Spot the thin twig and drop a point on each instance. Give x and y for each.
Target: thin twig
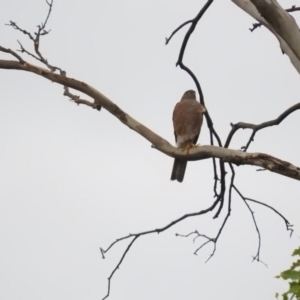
(287, 223)
(176, 30)
(223, 188)
(118, 266)
(78, 100)
(245, 199)
(137, 235)
(36, 40)
(16, 27)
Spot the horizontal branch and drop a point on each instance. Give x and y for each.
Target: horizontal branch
(236, 157)
(270, 123)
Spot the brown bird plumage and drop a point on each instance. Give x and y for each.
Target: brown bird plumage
(187, 122)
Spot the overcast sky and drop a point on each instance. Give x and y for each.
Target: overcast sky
(74, 179)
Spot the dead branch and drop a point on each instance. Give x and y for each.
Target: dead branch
(256, 127)
(135, 236)
(213, 133)
(236, 157)
(36, 40)
(280, 23)
(257, 25)
(287, 223)
(176, 30)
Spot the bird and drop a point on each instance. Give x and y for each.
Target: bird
(187, 122)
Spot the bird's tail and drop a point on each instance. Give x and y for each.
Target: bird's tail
(178, 171)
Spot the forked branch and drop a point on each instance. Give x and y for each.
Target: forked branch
(135, 236)
(256, 127)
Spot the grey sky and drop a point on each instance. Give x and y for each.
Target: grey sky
(73, 179)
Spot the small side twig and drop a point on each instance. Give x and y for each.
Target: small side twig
(176, 30)
(245, 199)
(78, 100)
(35, 38)
(16, 27)
(257, 25)
(209, 239)
(287, 223)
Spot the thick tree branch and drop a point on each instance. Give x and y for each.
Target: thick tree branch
(236, 157)
(292, 9)
(279, 22)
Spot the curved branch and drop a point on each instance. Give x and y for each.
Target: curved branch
(279, 22)
(237, 157)
(118, 266)
(292, 9)
(176, 30)
(184, 44)
(209, 239)
(256, 257)
(212, 130)
(287, 223)
(256, 127)
(137, 235)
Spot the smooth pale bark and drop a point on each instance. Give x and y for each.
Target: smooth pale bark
(279, 22)
(236, 157)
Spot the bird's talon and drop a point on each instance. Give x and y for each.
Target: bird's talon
(188, 147)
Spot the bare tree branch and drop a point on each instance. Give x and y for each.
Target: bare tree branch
(135, 236)
(209, 239)
(245, 199)
(237, 157)
(292, 9)
(118, 266)
(287, 223)
(176, 30)
(256, 257)
(279, 22)
(15, 26)
(13, 53)
(36, 40)
(213, 133)
(256, 127)
(78, 100)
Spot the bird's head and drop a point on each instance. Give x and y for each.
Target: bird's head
(190, 94)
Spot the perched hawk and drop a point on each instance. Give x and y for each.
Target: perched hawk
(187, 122)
